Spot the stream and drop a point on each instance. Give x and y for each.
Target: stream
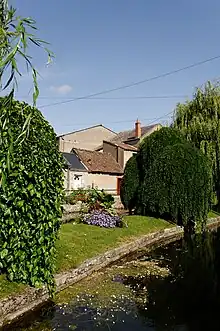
(174, 287)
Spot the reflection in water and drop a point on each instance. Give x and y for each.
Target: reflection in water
(190, 294)
(185, 299)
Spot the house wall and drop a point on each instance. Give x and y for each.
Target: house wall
(74, 179)
(103, 182)
(89, 139)
(120, 155)
(109, 148)
(65, 179)
(115, 151)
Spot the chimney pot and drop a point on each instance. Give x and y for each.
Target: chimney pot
(138, 129)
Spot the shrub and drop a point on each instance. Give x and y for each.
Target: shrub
(154, 144)
(79, 195)
(130, 184)
(93, 198)
(103, 219)
(30, 195)
(177, 185)
(97, 199)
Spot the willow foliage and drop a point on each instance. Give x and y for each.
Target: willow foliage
(16, 35)
(199, 121)
(30, 164)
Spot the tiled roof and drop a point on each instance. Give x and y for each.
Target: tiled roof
(73, 162)
(98, 162)
(126, 135)
(122, 145)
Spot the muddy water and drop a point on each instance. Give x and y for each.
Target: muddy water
(175, 287)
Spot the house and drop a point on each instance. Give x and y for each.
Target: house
(135, 136)
(88, 138)
(74, 172)
(86, 168)
(96, 156)
(125, 143)
(120, 151)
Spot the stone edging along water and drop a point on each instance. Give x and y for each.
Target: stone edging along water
(14, 306)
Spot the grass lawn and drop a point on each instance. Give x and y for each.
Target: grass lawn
(80, 242)
(7, 288)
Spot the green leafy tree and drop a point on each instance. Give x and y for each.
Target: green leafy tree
(150, 148)
(130, 184)
(30, 199)
(15, 38)
(177, 185)
(154, 144)
(199, 121)
(30, 164)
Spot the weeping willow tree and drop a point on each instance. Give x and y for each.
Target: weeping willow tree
(16, 35)
(22, 182)
(199, 121)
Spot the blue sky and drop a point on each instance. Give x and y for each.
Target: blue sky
(102, 44)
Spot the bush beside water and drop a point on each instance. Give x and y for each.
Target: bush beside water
(173, 179)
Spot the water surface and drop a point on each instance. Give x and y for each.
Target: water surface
(175, 287)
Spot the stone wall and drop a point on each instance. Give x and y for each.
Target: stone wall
(14, 306)
(118, 205)
(70, 212)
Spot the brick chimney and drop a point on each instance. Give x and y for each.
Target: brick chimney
(138, 129)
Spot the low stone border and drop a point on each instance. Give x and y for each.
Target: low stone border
(70, 212)
(14, 306)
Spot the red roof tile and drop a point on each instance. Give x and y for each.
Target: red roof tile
(98, 162)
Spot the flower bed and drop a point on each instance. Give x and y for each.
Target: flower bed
(96, 208)
(103, 219)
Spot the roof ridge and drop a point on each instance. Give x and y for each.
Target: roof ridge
(93, 151)
(119, 144)
(85, 150)
(144, 126)
(124, 135)
(87, 128)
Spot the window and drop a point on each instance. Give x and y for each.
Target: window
(77, 177)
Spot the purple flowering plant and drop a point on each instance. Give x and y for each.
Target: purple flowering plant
(97, 208)
(103, 219)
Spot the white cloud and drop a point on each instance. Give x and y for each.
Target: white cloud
(62, 89)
